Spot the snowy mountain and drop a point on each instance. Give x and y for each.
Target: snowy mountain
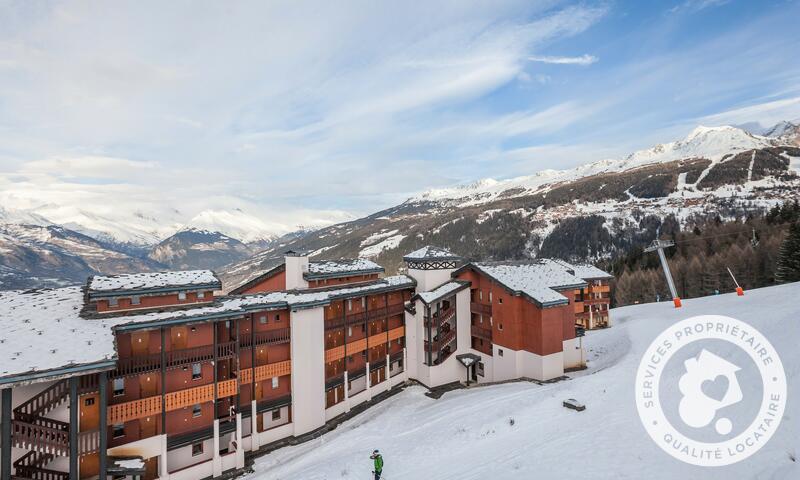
(586, 213)
(521, 430)
(49, 255)
(703, 142)
(199, 249)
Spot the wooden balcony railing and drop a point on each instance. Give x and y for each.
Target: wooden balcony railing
(32, 465)
(178, 358)
(482, 332)
(361, 317)
(481, 308)
(43, 402)
(88, 442)
(445, 318)
(31, 436)
(443, 340)
(360, 345)
(268, 337)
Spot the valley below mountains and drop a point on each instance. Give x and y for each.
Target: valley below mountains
(588, 213)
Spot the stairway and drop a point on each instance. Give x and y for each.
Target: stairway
(33, 465)
(33, 431)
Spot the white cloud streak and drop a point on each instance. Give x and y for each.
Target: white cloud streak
(583, 60)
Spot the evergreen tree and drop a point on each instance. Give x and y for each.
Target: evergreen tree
(788, 263)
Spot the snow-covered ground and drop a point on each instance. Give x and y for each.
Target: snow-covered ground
(468, 434)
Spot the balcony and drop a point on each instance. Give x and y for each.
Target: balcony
(482, 332)
(269, 337)
(442, 341)
(361, 317)
(481, 308)
(178, 358)
(445, 316)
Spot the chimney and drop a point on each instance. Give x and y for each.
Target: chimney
(296, 266)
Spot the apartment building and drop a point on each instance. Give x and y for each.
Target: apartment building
(154, 376)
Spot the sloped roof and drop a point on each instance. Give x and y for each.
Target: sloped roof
(258, 279)
(338, 268)
(585, 271)
(538, 280)
(43, 333)
(441, 291)
(132, 282)
(430, 252)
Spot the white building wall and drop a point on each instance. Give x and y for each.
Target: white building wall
(181, 458)
(573, 353)
(270, 423)
(296, 266)
(428, 280)
(308, 369)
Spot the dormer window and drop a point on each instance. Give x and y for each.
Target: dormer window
(201, 294)
(262, 319)
(181, 295)
(136, 300)
(112, 302)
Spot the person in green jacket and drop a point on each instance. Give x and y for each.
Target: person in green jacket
(378, 459)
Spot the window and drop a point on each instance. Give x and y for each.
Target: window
(197, 410)
(112, 302)
(119, 387)
(197, 371)
(499, 326)
(276, 415)
(480, 294)
(499, 299)
(197, 449)
(88, 402)
(136, 300)
(262, 319)
(181, 295)
(363, 302)
(349, 331)
(350, 359)
(201, 295)
(490, 297)
(278, 317)
(364, 354)
(349, 305)
(118, 430)
(274, 382)
(500, 351)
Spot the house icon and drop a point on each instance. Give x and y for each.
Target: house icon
(708, 385)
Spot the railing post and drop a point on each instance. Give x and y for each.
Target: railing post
(73, 428)
(5, 456)
(103, 424)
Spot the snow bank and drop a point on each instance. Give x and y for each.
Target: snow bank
(469, 435)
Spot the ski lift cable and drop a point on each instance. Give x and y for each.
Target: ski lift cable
(741, 232)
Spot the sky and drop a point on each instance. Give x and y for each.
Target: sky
(305, 113)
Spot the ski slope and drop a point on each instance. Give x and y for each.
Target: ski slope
(468, 434)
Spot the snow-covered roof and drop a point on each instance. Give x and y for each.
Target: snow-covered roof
(43, 330)
(430, 252)
(585, 271)
(441, 291)
(100, 284)
(537, 279)
(333, 268)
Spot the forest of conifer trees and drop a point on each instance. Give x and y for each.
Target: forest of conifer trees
(704, 251)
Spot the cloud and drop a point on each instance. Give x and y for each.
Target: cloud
(692, 6)
(766, 113)
(585, 59)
